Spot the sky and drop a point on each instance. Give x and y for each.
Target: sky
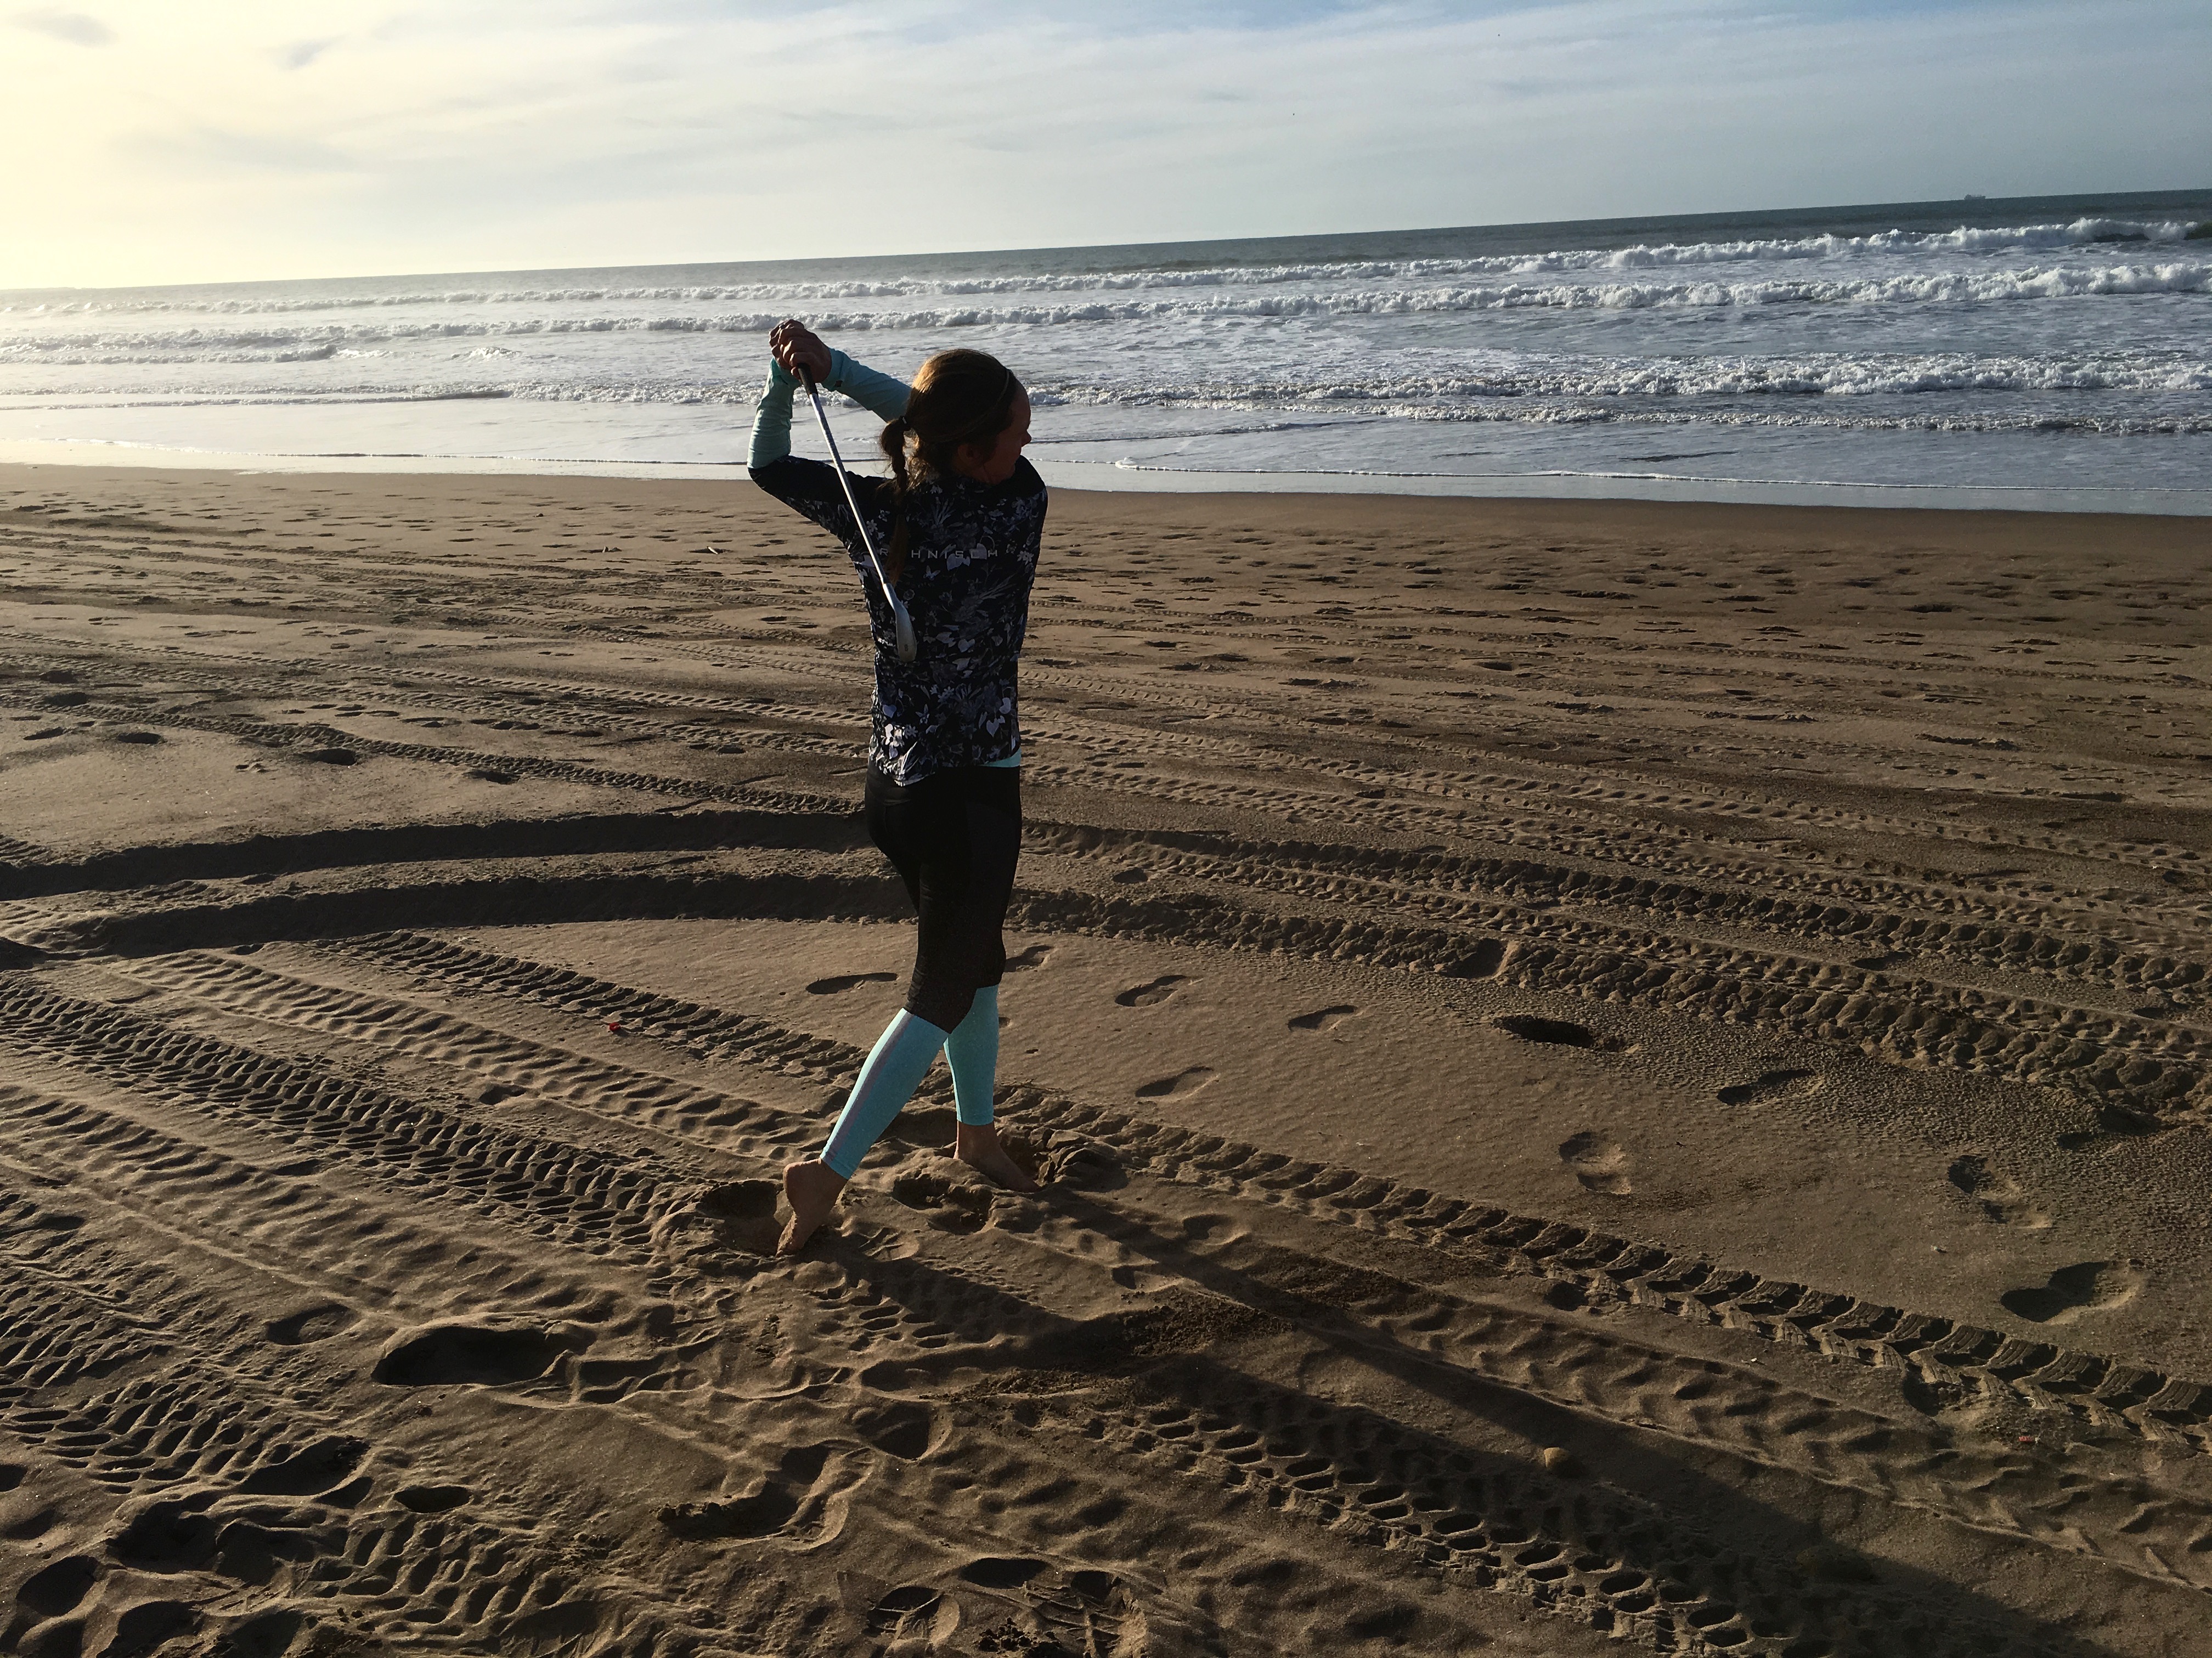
(233, 140)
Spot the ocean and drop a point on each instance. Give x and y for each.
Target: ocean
(2049, 351)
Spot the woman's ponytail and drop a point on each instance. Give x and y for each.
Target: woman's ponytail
(894, 444)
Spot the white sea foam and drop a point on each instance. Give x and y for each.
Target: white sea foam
(2089, 323)
(2079, 234)
(1680, 378)
(305, 341)
(1500, 378)
(1529, 410)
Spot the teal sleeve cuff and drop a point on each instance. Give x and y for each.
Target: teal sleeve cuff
(771, 417)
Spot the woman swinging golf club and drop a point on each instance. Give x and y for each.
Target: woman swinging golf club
(958, 527)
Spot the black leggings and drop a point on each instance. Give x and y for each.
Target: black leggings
(953, 837)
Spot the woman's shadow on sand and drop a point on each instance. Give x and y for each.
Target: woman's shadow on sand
(1654, 1516)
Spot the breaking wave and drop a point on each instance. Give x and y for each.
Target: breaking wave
(2079, 233)
(309, 342)
(2071, 318)
(1468, 394)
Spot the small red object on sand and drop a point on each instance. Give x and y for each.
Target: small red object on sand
(615, 1025)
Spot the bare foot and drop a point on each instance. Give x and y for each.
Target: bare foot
(810, 1188)
(979, 1147)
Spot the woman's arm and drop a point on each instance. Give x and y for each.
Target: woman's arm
(880, 394)
(772, 418)
(793, 347)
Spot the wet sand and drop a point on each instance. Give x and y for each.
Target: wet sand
(1611, 1076)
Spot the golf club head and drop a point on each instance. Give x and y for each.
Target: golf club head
(904, 623)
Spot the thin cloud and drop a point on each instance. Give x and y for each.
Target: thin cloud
(73, 26)
(202, 148)
(508, 134)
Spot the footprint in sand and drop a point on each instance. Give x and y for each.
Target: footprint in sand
(1324, 1018)
(312, 1324)
(151, 1624)
(913, 1611)
(54, 1589)
(1083, 1167)
(742, 1214)
(1552, 1033)
(901, 1429)
(1597, 1163)
(2089, 1286)
(1771, 1085)
(1182, 1085)
(1151, 995)
(485, 1354)
(2113, 1122)
(1080, 1611)
(1035, 956)
(2000, 1198)
(951, 1206)
(433, 1499)
(760, 1513)
(840, 983)
(769, 1507)
(719, 1224)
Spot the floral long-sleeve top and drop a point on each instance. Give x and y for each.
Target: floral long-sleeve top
(971, 556)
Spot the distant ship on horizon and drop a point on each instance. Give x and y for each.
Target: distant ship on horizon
(1971, 197)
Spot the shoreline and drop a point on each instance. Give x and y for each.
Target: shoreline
(1111, 479)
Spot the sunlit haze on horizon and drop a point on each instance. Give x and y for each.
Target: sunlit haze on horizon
(244, 139)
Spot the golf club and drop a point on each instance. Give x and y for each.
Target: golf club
(900, 619)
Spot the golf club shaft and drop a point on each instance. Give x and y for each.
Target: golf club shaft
(838, 461)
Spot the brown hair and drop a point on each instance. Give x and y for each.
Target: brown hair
(959, 396)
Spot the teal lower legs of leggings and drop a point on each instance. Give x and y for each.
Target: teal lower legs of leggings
(900, 1059)
(972, 1050)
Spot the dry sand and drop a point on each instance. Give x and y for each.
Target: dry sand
(1609, 1073)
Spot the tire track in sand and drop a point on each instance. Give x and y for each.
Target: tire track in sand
(1952, 1359)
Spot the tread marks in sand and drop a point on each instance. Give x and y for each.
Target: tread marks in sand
(223, 1482)
(2146, 1068)
(924, 1313)
(569, 1194)
(1497, 1551)
(1950, 1358)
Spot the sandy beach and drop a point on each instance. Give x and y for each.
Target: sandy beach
(1611, 1076)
